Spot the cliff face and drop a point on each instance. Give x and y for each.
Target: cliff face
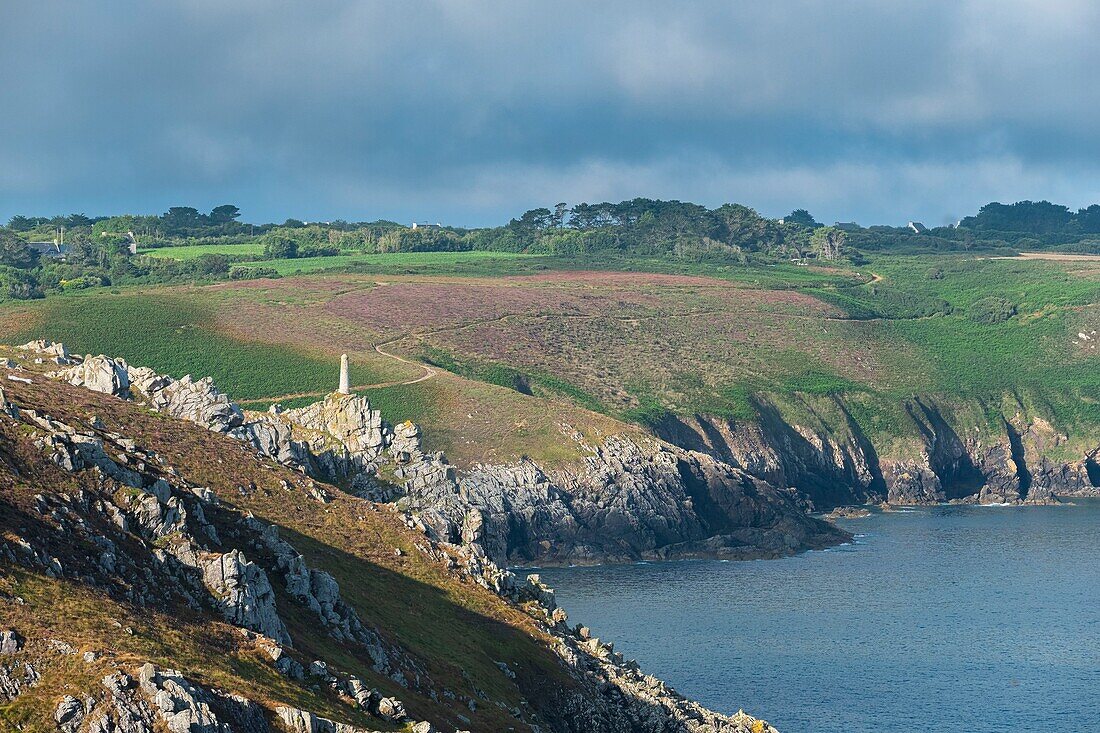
(833, 462)
(161, 573)
(634, 497)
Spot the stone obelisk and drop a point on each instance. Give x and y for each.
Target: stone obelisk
(345, 382)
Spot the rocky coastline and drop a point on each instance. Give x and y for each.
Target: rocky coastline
(832, 463)
(633, 498)
(163, 540)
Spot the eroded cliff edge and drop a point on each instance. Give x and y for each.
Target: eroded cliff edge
(939, 450)
(633, 497)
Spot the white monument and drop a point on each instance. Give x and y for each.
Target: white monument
(345, 382)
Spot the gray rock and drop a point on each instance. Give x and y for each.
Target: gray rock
(10, 641)
(100, 374)
(15, 679)
(301, 721)
(243, 594)
(391, 709)
(69, 714)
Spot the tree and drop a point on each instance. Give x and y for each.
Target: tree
(18, 285)
(20, 223)
(535, 219)
(77, 220)
(802, 218)
(211, 264)
(14, 252)
(224, 214)
(557, 219)
(181, 218)
(280, 248)
(828, 242)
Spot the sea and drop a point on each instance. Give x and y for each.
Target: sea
(946, 618)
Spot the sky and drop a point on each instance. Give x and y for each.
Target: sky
(469, 112)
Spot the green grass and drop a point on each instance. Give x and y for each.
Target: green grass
(526, 382)
(753, 274)
(194, 251)
(173, 334)
(389, 262)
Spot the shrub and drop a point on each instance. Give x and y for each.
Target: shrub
(252, 273)
(211, 264)
(82, 282)
(991, 310)
(314, 250)
(280, 248)
(18, 284)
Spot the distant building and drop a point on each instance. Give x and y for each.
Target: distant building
(53, 250)
(437, 225)
(56, 249)
(917, 227)
(132, 246)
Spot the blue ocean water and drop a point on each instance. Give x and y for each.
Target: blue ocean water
(934, 619)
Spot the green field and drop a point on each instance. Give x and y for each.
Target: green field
(174, 334)
(389, 262)
(193, 251)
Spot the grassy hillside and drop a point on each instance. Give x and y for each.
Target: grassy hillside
(534, 341)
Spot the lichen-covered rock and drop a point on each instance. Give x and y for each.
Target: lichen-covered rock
(334, 439)
(913, 482)
(100, 374)
(123, 710)
(184, 707)
(16, 678)
(56, 351)
(632, 499)
(243, 593)
(196, 400)
(301, 721)
(391, 709)
(69, 714)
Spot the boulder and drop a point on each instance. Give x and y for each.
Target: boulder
(243, 594)
(100, 374)
(69, 714)
(10, 641)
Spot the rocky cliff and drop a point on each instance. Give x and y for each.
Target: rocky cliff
(633, 497)
(160, 574)
(1008, 456)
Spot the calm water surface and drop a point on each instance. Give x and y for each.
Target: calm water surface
(947, 618)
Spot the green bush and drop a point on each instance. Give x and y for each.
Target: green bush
(82, 282)
(18, 284)
(315, 250)
(993, 309)
(252, 273)
(280, 248)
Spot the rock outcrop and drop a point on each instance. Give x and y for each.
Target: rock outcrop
(833, 463)
(632, 498)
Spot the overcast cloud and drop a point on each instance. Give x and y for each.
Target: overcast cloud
(469, 112)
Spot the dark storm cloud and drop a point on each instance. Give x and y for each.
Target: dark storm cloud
(470, 111)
